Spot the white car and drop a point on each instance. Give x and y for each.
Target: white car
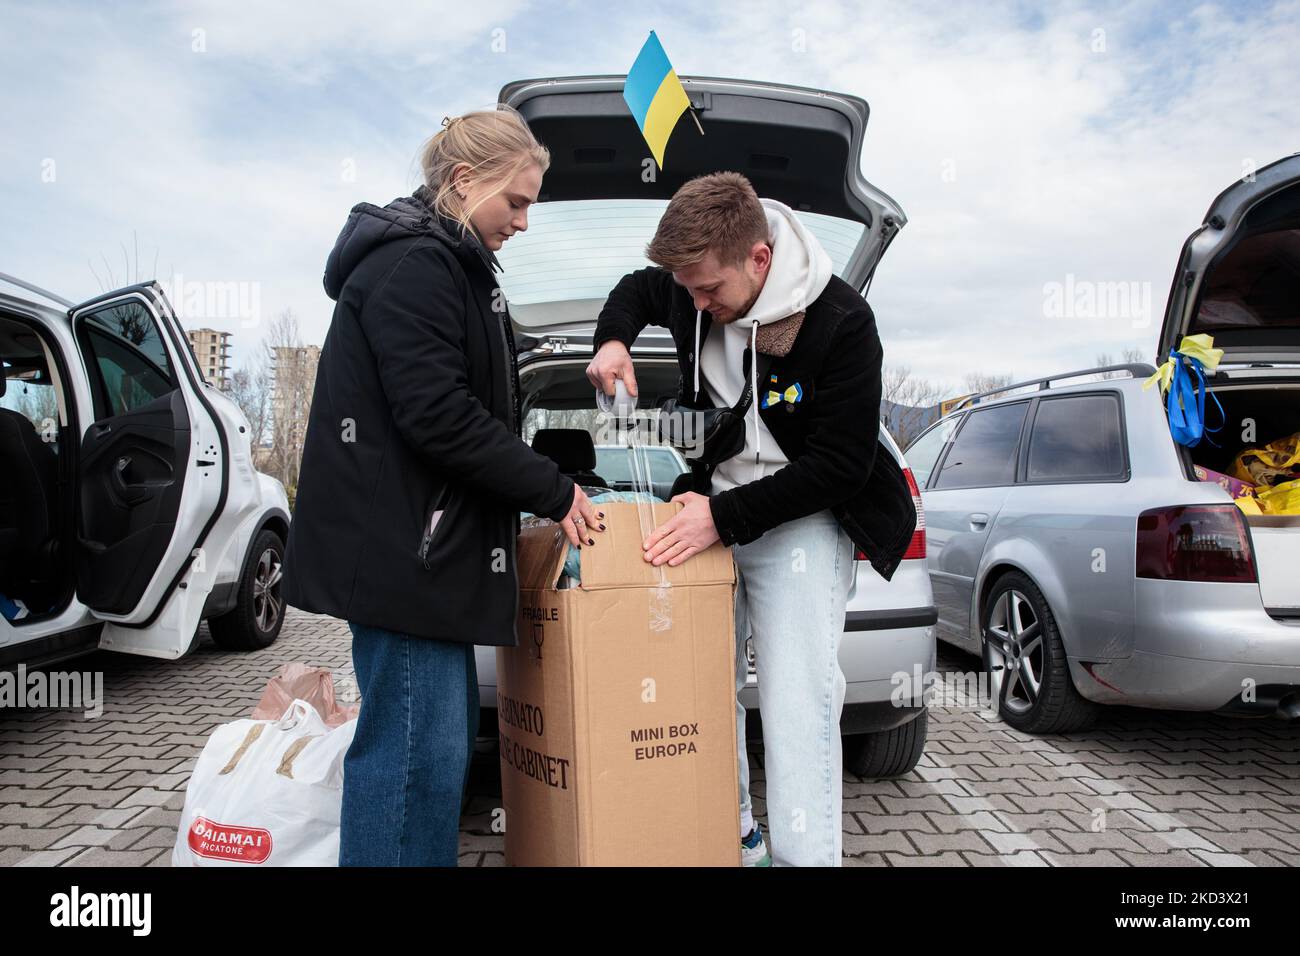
(599, 207)
(129, 506)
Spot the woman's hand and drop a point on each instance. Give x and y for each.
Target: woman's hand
(582, 520)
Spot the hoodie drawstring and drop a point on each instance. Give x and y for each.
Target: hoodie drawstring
(753, 383)
(753, 379)
(697, 356)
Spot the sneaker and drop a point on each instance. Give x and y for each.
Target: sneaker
(753, 850)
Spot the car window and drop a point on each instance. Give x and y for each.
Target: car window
(984, 451)
(29, 387)
(1076, 438)
(925, 451)
(34, 398)
(579, 249)
(126, 358)
(615, 464)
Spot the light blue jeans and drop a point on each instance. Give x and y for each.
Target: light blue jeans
(792, 587)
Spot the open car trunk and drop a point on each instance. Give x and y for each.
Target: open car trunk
(556, 394)
(1275, 410)
(1238, 280)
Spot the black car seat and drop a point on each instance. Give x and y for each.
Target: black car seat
(573, 450)
(28, 515)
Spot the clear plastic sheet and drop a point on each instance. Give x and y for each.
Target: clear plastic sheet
(620, 411)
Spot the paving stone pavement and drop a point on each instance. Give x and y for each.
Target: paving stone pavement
(1139, 788)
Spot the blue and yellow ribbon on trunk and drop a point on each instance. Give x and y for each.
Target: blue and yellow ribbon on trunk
(1200, 348)
(1182, 381)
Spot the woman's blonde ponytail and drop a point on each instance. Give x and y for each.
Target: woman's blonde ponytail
(496, 144)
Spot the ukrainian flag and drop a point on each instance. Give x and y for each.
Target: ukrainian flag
(655, 96)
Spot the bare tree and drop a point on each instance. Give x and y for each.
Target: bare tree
(912, 402)
(39, 404)
(293, 378)
(250, 389)
(131, 272)
(586, 419)
(977, 382)
(1129, 356)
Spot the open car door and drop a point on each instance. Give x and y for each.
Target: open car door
(802, 147)
(151, 473)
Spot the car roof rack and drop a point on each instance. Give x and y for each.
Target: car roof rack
(1135, 370)
(5, 277)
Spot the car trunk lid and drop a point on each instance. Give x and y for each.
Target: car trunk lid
(602, 195)
(1238, 276)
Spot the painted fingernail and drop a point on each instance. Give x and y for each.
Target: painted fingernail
(602, 527)
(600, 514)
(591, 541)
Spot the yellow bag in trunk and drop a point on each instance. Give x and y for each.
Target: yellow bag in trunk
(1281, 500)
(1248, 504)
(1263, 465)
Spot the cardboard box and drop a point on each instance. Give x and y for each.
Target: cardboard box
(618, 741)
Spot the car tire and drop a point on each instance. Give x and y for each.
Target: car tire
(1032, 652)
(887, 753)
(255, 620)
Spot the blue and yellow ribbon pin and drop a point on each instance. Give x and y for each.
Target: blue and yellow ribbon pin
(655, 96)
(792, 394)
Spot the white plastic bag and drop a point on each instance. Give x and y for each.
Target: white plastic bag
(266, 792)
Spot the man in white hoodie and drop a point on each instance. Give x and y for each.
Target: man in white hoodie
(806, 487)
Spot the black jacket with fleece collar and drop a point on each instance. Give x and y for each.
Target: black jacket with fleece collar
(830, 436)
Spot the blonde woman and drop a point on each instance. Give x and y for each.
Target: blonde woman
(413, 477)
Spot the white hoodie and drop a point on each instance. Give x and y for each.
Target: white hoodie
(799, 272)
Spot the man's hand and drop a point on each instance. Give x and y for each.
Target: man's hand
(582, 519)
(612, 361)
(684, 535)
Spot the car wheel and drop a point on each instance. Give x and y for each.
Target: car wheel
(887, 753)
(255, 620)
(1025, 661)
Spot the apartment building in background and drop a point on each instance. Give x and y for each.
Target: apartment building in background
(295, 380)
(212, 351)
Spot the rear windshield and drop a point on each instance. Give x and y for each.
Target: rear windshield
(579, 249)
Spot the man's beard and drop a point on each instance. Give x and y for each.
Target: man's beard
(740, 313)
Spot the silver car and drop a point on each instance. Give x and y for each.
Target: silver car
(1072, 543)
(597, 213)
(618, 466)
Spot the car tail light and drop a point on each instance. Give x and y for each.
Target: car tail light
(1195, 543)
(915, 547)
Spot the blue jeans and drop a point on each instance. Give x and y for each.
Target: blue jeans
(405, 773)
(792, 588)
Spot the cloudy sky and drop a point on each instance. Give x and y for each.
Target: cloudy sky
(1035, 148)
